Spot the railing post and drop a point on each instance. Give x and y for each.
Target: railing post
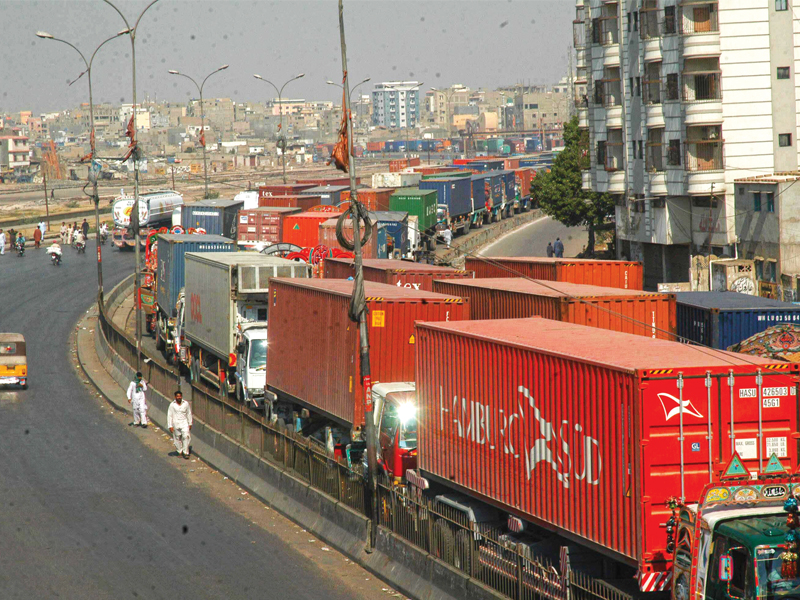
(519, 574)
(338, 480)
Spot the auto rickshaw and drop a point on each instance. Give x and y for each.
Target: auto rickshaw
(13, 360)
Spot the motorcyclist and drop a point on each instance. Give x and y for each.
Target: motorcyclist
(20, 243)
(78, 238)
(103, 230)
(55, 249)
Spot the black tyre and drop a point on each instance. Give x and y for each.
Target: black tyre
(239, 393)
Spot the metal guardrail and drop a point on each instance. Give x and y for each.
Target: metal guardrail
(480, 552)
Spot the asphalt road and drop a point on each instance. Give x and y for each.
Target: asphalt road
(87, 511)
(531, 240)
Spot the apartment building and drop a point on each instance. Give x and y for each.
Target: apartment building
(395, 104)
(683, 98)
(14, 153)
(443, 103)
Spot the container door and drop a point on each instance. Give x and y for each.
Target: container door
(692, 422)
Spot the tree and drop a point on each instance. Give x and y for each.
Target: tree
(559, 193)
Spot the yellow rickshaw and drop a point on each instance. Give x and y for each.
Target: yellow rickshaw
(13, 360)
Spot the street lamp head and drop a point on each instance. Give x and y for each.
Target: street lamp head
(125, 31)
(258, 76)
(44, 35)
(329, 82)
(301, 75)
(223, 67)
(173, 72)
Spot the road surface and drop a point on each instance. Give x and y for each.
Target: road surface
(89, 510)
(531, 240)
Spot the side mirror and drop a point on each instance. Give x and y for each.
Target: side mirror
(240, 348)
(725, 567)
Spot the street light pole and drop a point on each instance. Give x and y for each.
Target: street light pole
(282, 137)
(92, 174)
(135, 156)
(202, 116)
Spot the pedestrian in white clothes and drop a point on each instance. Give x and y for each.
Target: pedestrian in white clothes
(63, 232)
(2, 242)
(70, 233)
(136, 399)
(179, 421)
(43, 228)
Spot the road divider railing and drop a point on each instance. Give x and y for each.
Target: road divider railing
(502, 567)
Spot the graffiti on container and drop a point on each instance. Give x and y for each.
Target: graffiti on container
(565, 447)
(744, 285)
(415, 286)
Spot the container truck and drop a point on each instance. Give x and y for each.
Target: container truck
(522, 189)
(400, 273)
(723, 319)
(313, 354)
(216, 217)
(224, 335)
(171, 277)
(605, 273)
(642, 455)
(454, 196)
(395, 223)
(629, 311)
(509, 182)
(421, 204)
(263, 225)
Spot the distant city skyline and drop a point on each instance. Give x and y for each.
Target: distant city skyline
(478, 43)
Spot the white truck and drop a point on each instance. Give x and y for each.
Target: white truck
(225, 308)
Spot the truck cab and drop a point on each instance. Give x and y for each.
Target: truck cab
(396, 418)
(251, 364)
(732, 545)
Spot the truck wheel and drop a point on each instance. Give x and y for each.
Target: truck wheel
(194, 370)
(160, 344)
(239, 393)
(431, 244)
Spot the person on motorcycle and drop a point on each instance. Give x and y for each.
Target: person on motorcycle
(55, 249)
(20, 243)
(103, 229)
(80, 240)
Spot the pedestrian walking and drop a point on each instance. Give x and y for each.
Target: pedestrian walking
(43, 228)
(37, 238)
(70, 233)
(85, 229)
(447, 235)
(558, 248)
(179, 422)
(136, 398)
(2, 242)
(63, 232)
(550, 250)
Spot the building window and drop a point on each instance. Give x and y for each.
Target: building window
(783, 72)
(784, 139)
(629, 22)
(673, 92)
(674, 153)
(781, 5)
(756, 201)
(601, 153)
(669, 20)
(641, 150)
(638, 86)
(596, 37)
(770, 197)
(636, 21)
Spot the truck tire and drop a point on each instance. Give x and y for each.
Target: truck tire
(160, 344)
(431, 244)
(239, 393)
(194, 369)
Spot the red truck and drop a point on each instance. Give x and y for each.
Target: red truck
(642, 454)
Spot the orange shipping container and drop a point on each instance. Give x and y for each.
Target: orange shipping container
(302, 229)
(606, 273)
(302, 202)
(327, 237)
(626, 311)
(262, 225)
(375, 198)
(401, 273)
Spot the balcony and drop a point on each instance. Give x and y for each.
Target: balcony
(654, 115)
(702, 94)
(614, 155)
(699, 27)
(650, 26)
(704, 166)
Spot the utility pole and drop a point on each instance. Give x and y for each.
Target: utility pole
(358, 290)
(46, 200)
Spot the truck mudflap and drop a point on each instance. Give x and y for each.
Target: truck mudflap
(655, 581)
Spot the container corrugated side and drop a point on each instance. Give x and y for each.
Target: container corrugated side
(638, 313)
(723, 328)
(309, 320)
(395, 272)
(304, 202)
(302, 229)
(605, 273)
(561, 438)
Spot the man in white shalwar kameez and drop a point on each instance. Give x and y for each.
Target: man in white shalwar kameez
(179, 421)
(136, 399)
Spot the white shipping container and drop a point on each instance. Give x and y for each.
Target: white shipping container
(395, 180)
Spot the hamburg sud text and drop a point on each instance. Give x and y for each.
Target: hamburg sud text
(564, 447)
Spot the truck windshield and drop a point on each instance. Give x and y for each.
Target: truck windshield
(770, 581)
(258, 355)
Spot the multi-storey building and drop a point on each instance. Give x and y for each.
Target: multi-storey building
(14, 153)
(683, 98)
(536, 107)
(395, 104)
(442, 103)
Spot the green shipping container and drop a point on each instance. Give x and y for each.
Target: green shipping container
(506, 150)
(494, 144)
(418, 203)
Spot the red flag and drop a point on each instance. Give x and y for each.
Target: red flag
(203, 139)
(130, 131)
(91, 145)
(341, 153)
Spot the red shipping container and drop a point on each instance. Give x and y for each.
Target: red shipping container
(524, 179)
(302, 229)
(400, 273)
(327, 181)
(510, 163)
(263, 224)
(296, 201)
(374, 146)
(283, 189)
(622, 274)
(327, 237)
(579, 430)
(375, 198)
(308, 322)
(628, 311)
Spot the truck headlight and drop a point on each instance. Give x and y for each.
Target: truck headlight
(406, 412)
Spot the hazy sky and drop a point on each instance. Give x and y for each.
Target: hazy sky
(474, 42)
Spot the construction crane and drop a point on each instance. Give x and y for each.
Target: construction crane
(50, 163)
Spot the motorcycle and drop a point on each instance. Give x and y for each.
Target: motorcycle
(20, 249)
(55, 258)
(103, 237)
(80, 247)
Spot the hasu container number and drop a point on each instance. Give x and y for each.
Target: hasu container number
(563, 446)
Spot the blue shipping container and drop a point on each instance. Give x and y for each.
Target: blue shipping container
(722, 319)
(509, 183)
(330, 194)
(217, 217)
(479, 191)
(171, 267)
(456, 193)
(395, 224)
